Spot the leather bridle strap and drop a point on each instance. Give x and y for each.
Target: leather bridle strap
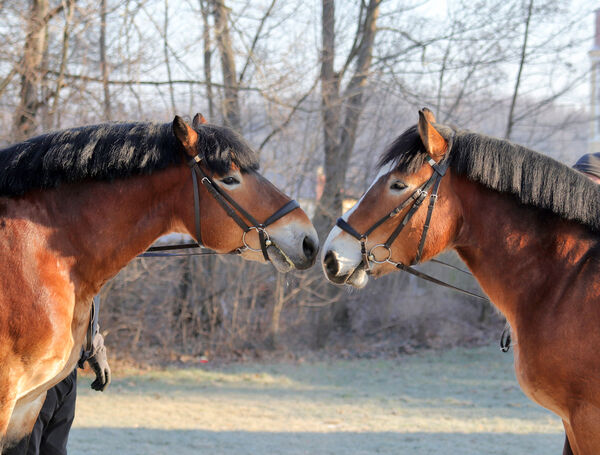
(232, 208)
(432, 201)
(416, 199)
(432, 279)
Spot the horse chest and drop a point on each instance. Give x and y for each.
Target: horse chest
(538, 383)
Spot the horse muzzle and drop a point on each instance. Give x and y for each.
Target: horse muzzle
(293, 247)
(338, 270)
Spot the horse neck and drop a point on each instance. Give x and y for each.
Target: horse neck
(515, 251)
(101, 226)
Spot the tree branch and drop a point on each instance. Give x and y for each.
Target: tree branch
(255, 40)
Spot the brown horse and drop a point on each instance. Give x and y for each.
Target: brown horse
(528, 228)
(77, 205)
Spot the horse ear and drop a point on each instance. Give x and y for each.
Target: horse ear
(186, 135)
(433, 141)
(198, 120)
(428, 115)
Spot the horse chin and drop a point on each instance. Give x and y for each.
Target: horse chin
(279, 259)
(358, 279)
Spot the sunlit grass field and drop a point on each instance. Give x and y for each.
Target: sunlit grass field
(463, 401)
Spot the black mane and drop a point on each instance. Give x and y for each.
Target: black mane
(535, 179)
(110, 151)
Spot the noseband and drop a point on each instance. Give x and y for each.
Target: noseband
(416, 199)
(232, 208)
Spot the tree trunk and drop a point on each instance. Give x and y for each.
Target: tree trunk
(167, 61)
(231, 106)
(54, 112)
(329, 205)
(103, 62)
(35, 46)
(511, 113)
(339, 136)
(207, 58)
(339, 133)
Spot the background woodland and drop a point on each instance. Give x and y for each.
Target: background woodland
(319, 88)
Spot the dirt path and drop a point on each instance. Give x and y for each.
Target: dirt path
(461, 401)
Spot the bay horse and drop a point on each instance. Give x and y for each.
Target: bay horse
(528, 228)
(77, 205)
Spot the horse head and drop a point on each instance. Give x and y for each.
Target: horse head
(239, 210)
(388, 226)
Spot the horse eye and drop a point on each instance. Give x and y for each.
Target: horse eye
(230, 181)
(398, 185)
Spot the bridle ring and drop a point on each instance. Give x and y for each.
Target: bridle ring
(257, 229)
(372, 257)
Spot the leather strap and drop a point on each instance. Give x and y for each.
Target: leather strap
(233, 210)
(432, 279)
(432, 201)
(287, 208)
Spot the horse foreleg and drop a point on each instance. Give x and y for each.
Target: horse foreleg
(21, 420)
(567, 447)
(7, 404)
(583, 429)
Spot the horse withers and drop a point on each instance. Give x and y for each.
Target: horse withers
(77, 205)
(527, 227)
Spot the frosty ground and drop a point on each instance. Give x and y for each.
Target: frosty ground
(463, 401)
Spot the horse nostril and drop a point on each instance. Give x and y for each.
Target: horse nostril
(331, 264)
(309, 247)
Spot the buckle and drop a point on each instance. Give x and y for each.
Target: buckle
(196, 159)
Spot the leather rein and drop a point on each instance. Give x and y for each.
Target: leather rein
(233, 210)
(414, 201)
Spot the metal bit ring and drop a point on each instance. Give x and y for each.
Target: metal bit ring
(372, 257)
(258, 230)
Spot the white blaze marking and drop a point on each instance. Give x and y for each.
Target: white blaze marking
(345, 247)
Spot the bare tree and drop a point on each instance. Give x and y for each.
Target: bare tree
(231, 105)
(524, 50)
(103, 61)
(341, 107)
(31, 75)
(207, 53)
(166, 53)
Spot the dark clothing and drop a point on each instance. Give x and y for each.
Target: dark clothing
(51, 429)
(590, 164)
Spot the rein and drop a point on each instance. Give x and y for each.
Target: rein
(232, 208)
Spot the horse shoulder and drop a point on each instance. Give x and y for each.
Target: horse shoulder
(551, 368)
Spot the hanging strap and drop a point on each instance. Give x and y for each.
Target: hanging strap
(432, 279)
(87, 351)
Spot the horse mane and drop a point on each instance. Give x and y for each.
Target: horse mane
(535, 179)
(111, 151)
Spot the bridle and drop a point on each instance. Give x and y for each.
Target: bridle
(233, 210)
(414, 201)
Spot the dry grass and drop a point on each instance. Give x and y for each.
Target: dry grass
(460, 401)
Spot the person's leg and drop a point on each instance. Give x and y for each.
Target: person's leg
(19, 449)
(30, 444)
(56, 430)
